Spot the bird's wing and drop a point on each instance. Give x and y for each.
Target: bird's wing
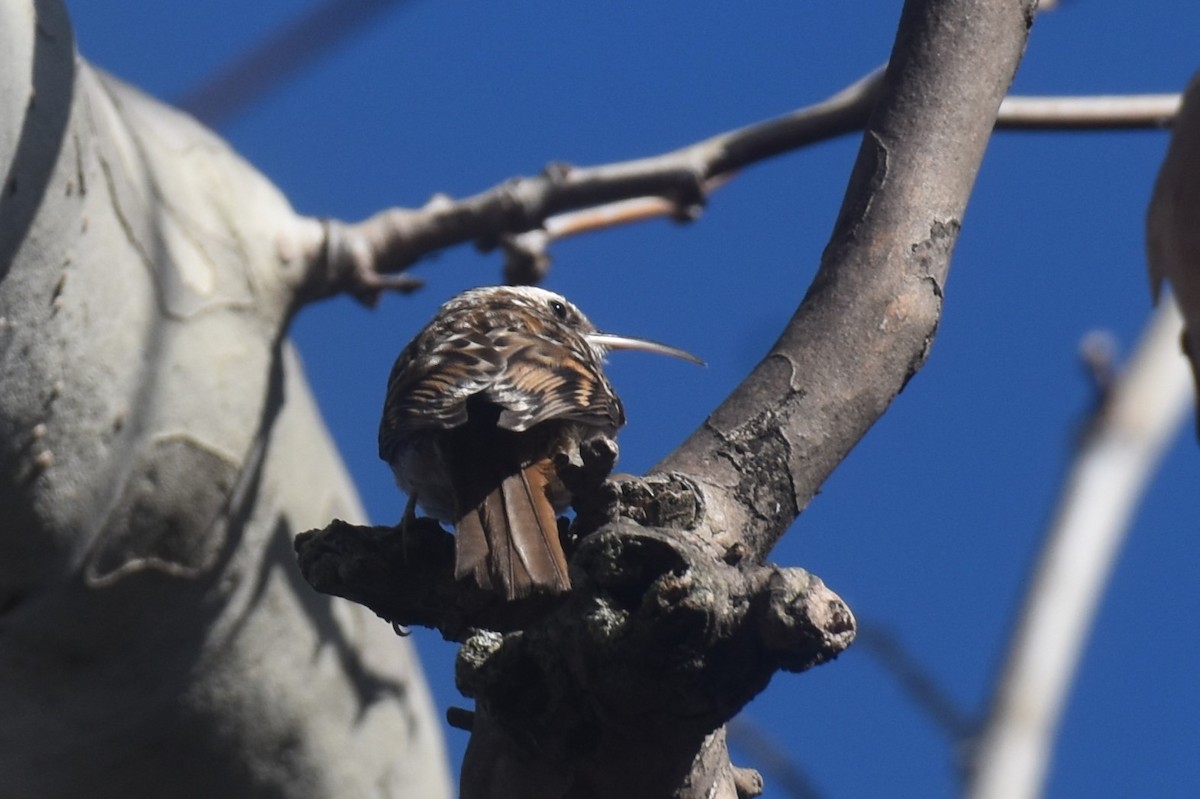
(546, 379)
(431, 382)
(531, 378)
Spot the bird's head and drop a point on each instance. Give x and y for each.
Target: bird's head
(549, 314)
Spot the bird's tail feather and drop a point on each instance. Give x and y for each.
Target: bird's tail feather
(510, 538)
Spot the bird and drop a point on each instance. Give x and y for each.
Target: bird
(479, 407)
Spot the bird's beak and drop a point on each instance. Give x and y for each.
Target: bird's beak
(610, 341)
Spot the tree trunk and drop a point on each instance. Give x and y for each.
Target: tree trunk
(158, 450)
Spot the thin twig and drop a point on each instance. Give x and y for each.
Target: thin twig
(1114, 112)
(1129, 112)
(768, 756)
(244, 81)
(675, 184)
(527, 256)
(395, 239)
(921, 687)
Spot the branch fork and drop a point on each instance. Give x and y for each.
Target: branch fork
(663, 638)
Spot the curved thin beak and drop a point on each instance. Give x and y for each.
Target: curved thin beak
(610, 341)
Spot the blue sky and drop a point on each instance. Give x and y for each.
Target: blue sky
(930, 525)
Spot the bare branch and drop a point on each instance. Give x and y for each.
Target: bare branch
(396, 238)
(525, 215)
(527, 257)
(780, 766)
(244, 81)
(1088, 113)
(868, 320)
(1140, 411)
(1120, 452)
(921, 687)
(528, 260)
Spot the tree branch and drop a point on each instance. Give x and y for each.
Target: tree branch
(359, 255)
(868, 320)
(246, 79)
(1122, 447)
(524, 215)
(672, 624)
(1141, 409)
(1127, 112)
(913, 679)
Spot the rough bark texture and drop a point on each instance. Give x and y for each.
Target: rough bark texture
(868, 320)
(618, 688)
(158, 450)
(673, 624)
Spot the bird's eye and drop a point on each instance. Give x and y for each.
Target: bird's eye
(560, 310)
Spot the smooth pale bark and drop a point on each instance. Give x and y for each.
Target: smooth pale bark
(158, 450)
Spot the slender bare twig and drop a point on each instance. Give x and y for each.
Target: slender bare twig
(259, 71)
(921, 687)
(768, 756)
(1098, 354)
(357, 257)
(1145, 407)
(525, 215)
(528, 260)
(527, 256)
(1124, 112)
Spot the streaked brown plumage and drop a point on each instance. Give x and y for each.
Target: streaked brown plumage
(479, 404)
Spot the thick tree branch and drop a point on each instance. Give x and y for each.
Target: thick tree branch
(619, 687)
(672, 623)
(868, 320)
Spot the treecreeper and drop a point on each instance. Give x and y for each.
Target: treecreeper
(481, 407)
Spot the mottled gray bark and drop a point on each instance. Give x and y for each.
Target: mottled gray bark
(869, 318)
(158, 450)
